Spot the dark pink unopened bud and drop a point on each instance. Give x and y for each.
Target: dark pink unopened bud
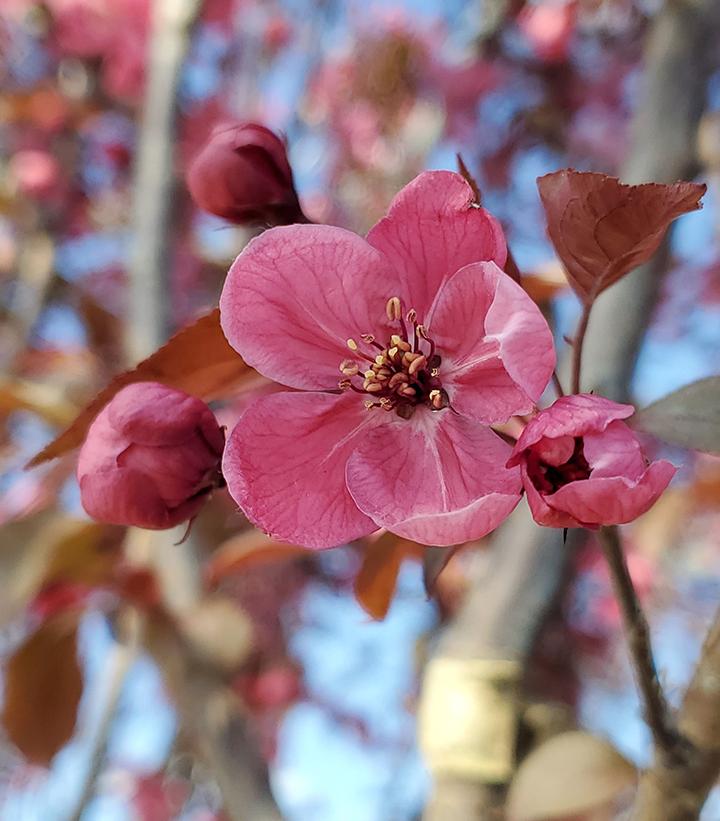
(151, 458)
(243, 175)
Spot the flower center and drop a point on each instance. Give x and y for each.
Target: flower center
(549, 478)
(399, 375)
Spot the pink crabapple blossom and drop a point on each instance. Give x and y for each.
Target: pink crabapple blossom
(584, 467)
(400, 349)
(150, 458)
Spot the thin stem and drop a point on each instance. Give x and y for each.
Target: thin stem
(657, 713)
(121, 660)
(578, 346)
(558, 384)
(511, 268)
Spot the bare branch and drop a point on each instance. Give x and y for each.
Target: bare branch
(637, 632)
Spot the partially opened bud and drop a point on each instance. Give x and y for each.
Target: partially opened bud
(243, 175)
(582, 466)
(151, 458)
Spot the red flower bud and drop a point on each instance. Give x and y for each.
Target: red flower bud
(150, 458)
(243, 175)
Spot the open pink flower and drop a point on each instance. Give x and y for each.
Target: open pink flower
(150, 458)
(583, 467)
(404, 347)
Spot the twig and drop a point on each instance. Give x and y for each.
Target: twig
(558, 384)
(578, 342)
(122, 658)
(657, 713)
(511, 268)
(678, 793)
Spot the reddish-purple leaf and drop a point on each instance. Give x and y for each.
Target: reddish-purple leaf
(376, 581)
(197, 360)
(602, 229)
(43, 685)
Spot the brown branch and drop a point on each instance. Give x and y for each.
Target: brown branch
(637, 632)
(677, 792)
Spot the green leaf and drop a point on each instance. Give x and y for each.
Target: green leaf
(689, 417)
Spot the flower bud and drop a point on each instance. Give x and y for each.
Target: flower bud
(583, 467)
(243, 175)
(150, 458)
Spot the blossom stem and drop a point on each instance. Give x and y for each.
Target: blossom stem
(511, 268)
(657, 714)
(558, 384)
(578, 346)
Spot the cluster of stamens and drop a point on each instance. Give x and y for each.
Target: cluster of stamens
(400, 375)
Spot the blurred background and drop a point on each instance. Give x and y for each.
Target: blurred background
(103, 255)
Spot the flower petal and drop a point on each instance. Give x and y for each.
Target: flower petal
(432, 229)
(125, 496)
(576, 415)
(614, 452)
(612, 500)
(150, 413)
(285, 466)
(437, 478)
(497, 349)
(296, 294)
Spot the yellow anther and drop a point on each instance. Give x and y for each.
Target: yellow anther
(369, 338)
(393, 308)
(412, 315)
(436, 399)
(435, 372)
(349, 367)
(369, 405)
(352, 344)
(399, 342)
(417, 364)
(370, 374)
(392, 353)
(372, 387)
(380, 359)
